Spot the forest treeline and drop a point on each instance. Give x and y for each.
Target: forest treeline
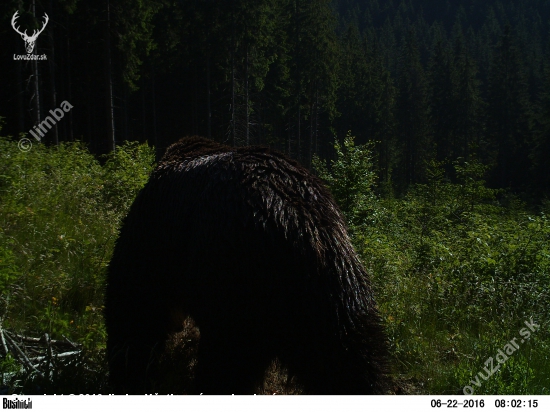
(425, 80)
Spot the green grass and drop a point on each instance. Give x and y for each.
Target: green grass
(456, 276)
(456, 273)
(60, 210)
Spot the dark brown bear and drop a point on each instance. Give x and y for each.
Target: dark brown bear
(253, 247)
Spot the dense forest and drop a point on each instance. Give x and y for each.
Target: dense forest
(425, 80)
(429, 122)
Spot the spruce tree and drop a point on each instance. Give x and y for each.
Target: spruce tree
(412, 115)
(442, 107)
(467, 102)
(540, 150)
(508, 129)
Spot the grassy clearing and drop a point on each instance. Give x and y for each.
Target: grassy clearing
(456, 273)
(60, 210)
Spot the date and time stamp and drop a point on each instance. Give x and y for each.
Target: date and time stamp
(499, 403)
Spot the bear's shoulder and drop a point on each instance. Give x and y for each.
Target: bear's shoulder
(189, 148)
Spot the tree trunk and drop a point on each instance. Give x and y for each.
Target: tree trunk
(316, 150)
(312, 126)
(36, 93)
(69, 83)
(195, 111)
(247, 102)
(208, 102)
(125, 110)
(143, 112)
(54, 139)
(89, 135)
(36, 80)
(233, 129)
(289, 135)
(93, 141)
(299, 130)
(155, 136)
(110, 141)
(21, 92)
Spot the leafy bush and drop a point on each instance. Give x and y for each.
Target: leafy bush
(455, 272)
(60, 210)
(351, 179)
(126, 172)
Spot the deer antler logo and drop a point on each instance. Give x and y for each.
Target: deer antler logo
(29, 40)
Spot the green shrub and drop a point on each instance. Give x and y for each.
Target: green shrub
(455, 272)
(60, 210)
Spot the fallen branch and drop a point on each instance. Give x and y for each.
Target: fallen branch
(74, 345)
(4, 345)
(59, 355)
(42, 340)
(23, 358)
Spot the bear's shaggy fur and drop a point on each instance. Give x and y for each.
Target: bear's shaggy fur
(253, 247)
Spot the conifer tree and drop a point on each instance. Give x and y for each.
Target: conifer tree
(540, 149)
(508, 129)
(467, 102)
(412, 115)
(442, 108)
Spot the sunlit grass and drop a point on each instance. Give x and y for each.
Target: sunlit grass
(456, 274)
(60, 210)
